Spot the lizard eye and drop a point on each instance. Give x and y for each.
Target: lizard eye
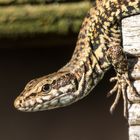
(46, 88)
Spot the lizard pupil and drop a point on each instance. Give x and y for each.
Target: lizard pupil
(46, 87)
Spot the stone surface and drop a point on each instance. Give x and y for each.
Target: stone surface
(131, 42)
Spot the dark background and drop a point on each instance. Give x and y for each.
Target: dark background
(88, 119)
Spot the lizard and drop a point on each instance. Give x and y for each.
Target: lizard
(98, 48)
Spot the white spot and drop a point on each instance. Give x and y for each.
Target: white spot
(66, 88)
(26, 103)
(30, 109)
(54, 93)
(46, 97)
(37, 108)
(54, 102)
(21, 109)
(66, 99)
(32, 102)
(45, 103)
(39, 100)
(45, 106)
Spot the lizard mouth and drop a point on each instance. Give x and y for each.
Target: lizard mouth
(43, 103)
(18, 104)
(22, 105)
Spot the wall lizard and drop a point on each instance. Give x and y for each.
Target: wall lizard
(99, 47)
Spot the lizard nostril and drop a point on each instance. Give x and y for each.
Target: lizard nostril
(18, 102)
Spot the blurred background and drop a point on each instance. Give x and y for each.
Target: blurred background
(37, 37)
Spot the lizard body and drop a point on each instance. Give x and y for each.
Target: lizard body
(98, 48)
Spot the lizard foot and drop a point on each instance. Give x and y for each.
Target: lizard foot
(120, 87)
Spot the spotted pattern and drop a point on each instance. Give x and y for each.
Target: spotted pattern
(97, 49)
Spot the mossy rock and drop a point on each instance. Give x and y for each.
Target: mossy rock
(29, 20)
(12, 2)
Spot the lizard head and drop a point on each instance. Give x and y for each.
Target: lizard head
(48, 92)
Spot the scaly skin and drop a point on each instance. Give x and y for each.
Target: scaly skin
(97, 49)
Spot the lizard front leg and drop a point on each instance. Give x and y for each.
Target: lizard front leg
(118, 59)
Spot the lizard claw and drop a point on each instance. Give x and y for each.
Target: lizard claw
(120, 87)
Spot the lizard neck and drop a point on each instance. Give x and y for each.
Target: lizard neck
(88, 65)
